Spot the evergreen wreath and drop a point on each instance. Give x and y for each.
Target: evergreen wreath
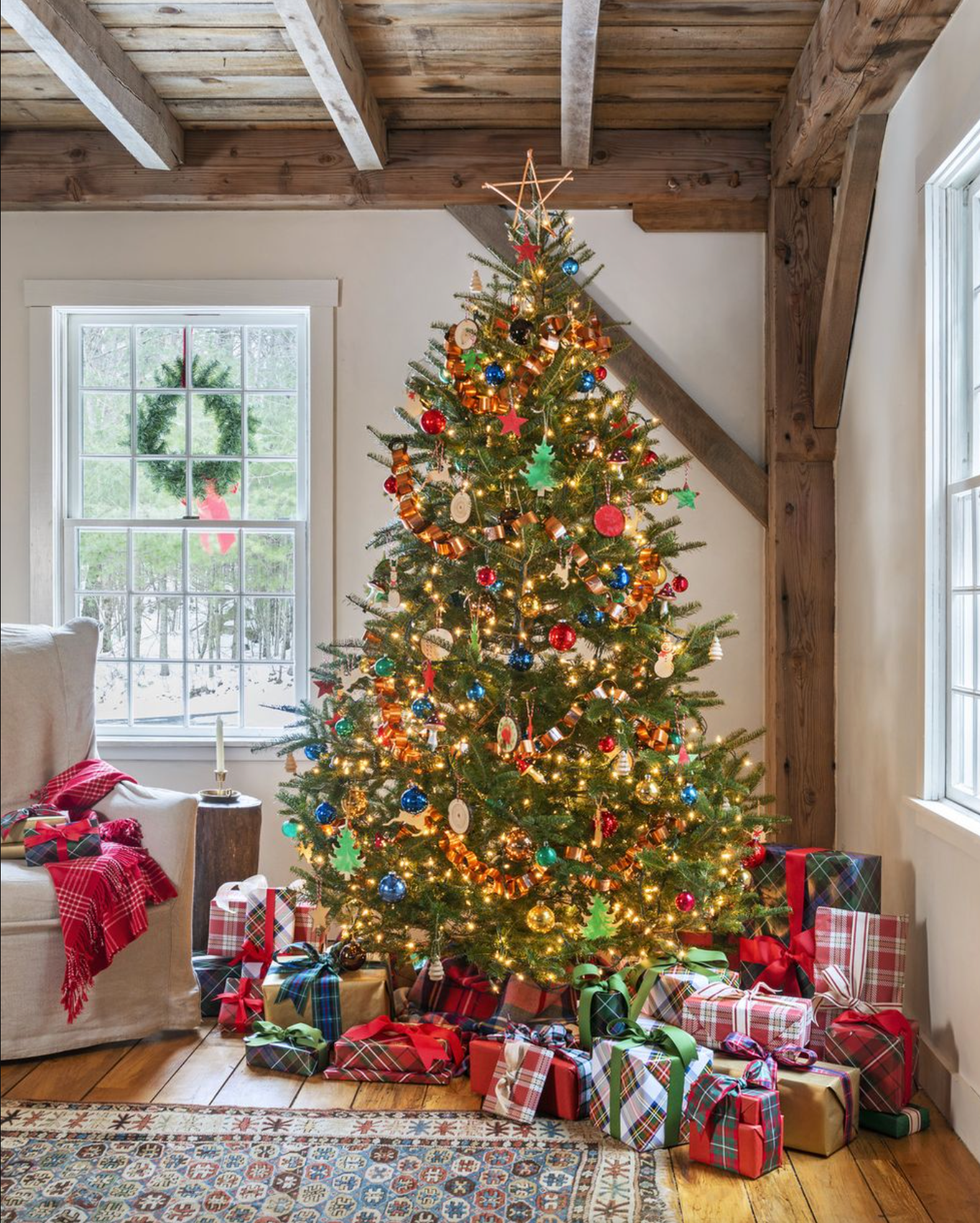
(156, 415)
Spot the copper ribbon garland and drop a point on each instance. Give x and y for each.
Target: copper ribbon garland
(563, 728)
(439, 540)
(475, 871)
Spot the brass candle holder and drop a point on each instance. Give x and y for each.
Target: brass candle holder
(221, 793)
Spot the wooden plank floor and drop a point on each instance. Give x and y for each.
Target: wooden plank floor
(928, 1178)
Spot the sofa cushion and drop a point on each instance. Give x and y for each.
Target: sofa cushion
(26, 893)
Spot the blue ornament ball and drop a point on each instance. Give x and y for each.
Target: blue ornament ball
(521, 658)
(586, 380)
(569, 266)
(325, 813)
(313, 751)
(598, 615)
(414, 800)
(583, 618)
(620, 578)
(495, 374)
(392, 888)
(496, 587)
(289, 828)
(476, 691)
(422, 707)
(689, 794)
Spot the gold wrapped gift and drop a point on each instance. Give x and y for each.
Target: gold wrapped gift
(13, 846)
(365, 994)
(812, 1103)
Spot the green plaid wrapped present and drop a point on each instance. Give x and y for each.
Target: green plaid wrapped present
(298, 1049)
(602, 1002)
(213, 973)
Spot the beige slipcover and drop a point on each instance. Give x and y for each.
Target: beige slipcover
(48, 723)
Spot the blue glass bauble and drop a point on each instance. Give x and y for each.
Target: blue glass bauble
(325, 813)
(392, 888)
(414, 800)
(289, 828)
(598, 615)
(495, 374)
(583, 618)
(689, 794)
(586, 380)
(569, 266)
(422, 707)
(476, 691)
(496, 587)
(521, 658)
(620, 578)
(313, 751)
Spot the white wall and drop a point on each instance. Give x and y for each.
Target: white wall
(697, 300)
(881, 586)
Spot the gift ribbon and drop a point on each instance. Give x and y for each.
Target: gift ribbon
(678, 1046)
(713, 1090)
(781, 961)
(796, 885)
(893, 1023)
(300, 1035)
(642, 978)
(839, 991)
(421, 1036)
(244, 999)
(512, 1056)
(39, 811)
(247, 887)
(590, 983)
(61, 835)
(743, 999)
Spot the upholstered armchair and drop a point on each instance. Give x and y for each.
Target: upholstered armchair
(48, 723)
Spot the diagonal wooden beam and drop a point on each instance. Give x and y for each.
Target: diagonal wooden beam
(85, 57)
(323, 41)
(852, 218)
(665, 398)
(579, 40)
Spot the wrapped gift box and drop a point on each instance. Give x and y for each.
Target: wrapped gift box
(768, 1018)
(567, 1089)
(640, 1085)
(239, 1006)
(604, 999)
(246, 908)
(464, 992)
(518, 1079)
(14, 833)
(213, 973)
(62, 842)
(304, 985)
(910, 1120)
(298, 1049)
(666, 998)
(383, 1051)
(735, 1122)
(884, 1047)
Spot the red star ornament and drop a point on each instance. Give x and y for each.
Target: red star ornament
(324, 687)
(527, 251)
(512, 423)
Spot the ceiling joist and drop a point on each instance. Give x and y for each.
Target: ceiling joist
(579, 42)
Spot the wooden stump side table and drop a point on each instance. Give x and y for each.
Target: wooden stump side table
(227, 848)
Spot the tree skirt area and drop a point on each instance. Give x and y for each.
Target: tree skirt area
(99, 1163)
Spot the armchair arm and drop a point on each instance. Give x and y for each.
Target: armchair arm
(169, 821)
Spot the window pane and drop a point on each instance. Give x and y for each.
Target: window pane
(963, 640)
(160, 488)
(102, 560)
(110, 611)
(213, 691)
(217, 488)
(272, 424)
(157, 560)
(158, 693)
(111, 692)
(158, 627)
(271, 488)
(217, 356)
(212, 561)
(269, 561)
(216, 424)
(107, 422)
(213, 627)
(161, 424)
(963, 515)
(268, 628)
(105, 488)
(963, 741)
(267, 686)
(160, 356)
(272, 356)
(105, 356)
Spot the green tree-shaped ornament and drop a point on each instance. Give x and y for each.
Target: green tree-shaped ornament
(345, 859)
(601, 924)
(538, 473)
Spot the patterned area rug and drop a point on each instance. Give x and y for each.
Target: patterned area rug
(106, 1163)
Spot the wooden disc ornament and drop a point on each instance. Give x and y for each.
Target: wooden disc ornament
(609, 520)
(466, 334)
(437, 644)
(461, 507)
(508, 734)
(458, 815)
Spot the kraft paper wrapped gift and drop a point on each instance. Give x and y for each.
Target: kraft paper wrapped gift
(304, 985)
(387, 1052)
(735, 1122)
(769, 1018)
(298, 1049)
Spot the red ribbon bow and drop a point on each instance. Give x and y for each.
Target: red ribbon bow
(894, 1023)
(421, 1036)
(780, 961)
(245, 1000)
(61, 834)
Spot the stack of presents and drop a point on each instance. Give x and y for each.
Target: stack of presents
(796, 1038)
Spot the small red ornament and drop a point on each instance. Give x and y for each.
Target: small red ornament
(680, 583)
(619, 456)
(607, 745)
(486, 576)
(600, 372)
(562, 636)
(685, 902)
(609, 520)
(522, 764)
(527, 251)
(391, 485)
(608, 823)
(755, 857)
(650, 458)
(432, 421)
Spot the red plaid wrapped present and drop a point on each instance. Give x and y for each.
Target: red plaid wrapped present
(241, 1005)
(568, 1088)
(884, 1047)
(464, 991)
(735, 1123)
(518, 1080)
(245, 919)
(720, 1009)
(667, 992)
(383, 1051)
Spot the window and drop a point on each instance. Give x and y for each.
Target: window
(186, 513)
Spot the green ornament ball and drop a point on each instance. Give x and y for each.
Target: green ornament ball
(290, 828)
(546, 856)
(384, 667)
(344, 728)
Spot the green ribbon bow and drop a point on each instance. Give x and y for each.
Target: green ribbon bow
(590, 983)
(641, 978)
(300, 1035)
(680, 1047)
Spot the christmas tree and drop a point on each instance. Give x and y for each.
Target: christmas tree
(517, 746)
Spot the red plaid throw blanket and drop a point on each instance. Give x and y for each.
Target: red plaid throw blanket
(102, 901)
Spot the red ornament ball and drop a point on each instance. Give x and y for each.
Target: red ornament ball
(650, 459)
(562, 636)
(755, 856)
(391, 485)
(608, 823)
(379, 840)
(600, 372)
(685, 902)
(609, 520)
(486, 576)
(607, 745)
(680, 583)
(432, 421)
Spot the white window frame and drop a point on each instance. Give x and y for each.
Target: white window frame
(948, 379)
(50, 304)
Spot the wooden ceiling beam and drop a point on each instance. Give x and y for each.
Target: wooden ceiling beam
(703, 216)
(89, 61)
(324, 44)
(579, 41)
(858, 59)
(662, 395)
(852, 219)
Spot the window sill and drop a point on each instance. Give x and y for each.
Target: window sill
(134, 748)
(949, 822)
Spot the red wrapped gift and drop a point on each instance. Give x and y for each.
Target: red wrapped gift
(884, 1047)
(518, 1080)
(566, 1091)
(720, 1009)
(241, 1005)
(383, 1051)
(736, 1124)
(463, 990)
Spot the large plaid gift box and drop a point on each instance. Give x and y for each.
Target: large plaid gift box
(383, 1051)
(213, 973)
(769, 1018)
(463, 991)
(818, 1101)
(779, 950)
(62, 842)
(523, 1001)
(567, 1089)
(735, 1122)
(239, 1005)
(910, 1120)
(671, 984)
(640, 1084)
(518, 1080)
(243, 912)
(298, 1049)
(304, 985)
(884, 1047)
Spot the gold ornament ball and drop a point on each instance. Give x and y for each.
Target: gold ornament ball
(646, 791)
(366, 664)
(660, 496)
(660, 574)
(355, 801)
(518, 846)
(530, 605)
(540, 919)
